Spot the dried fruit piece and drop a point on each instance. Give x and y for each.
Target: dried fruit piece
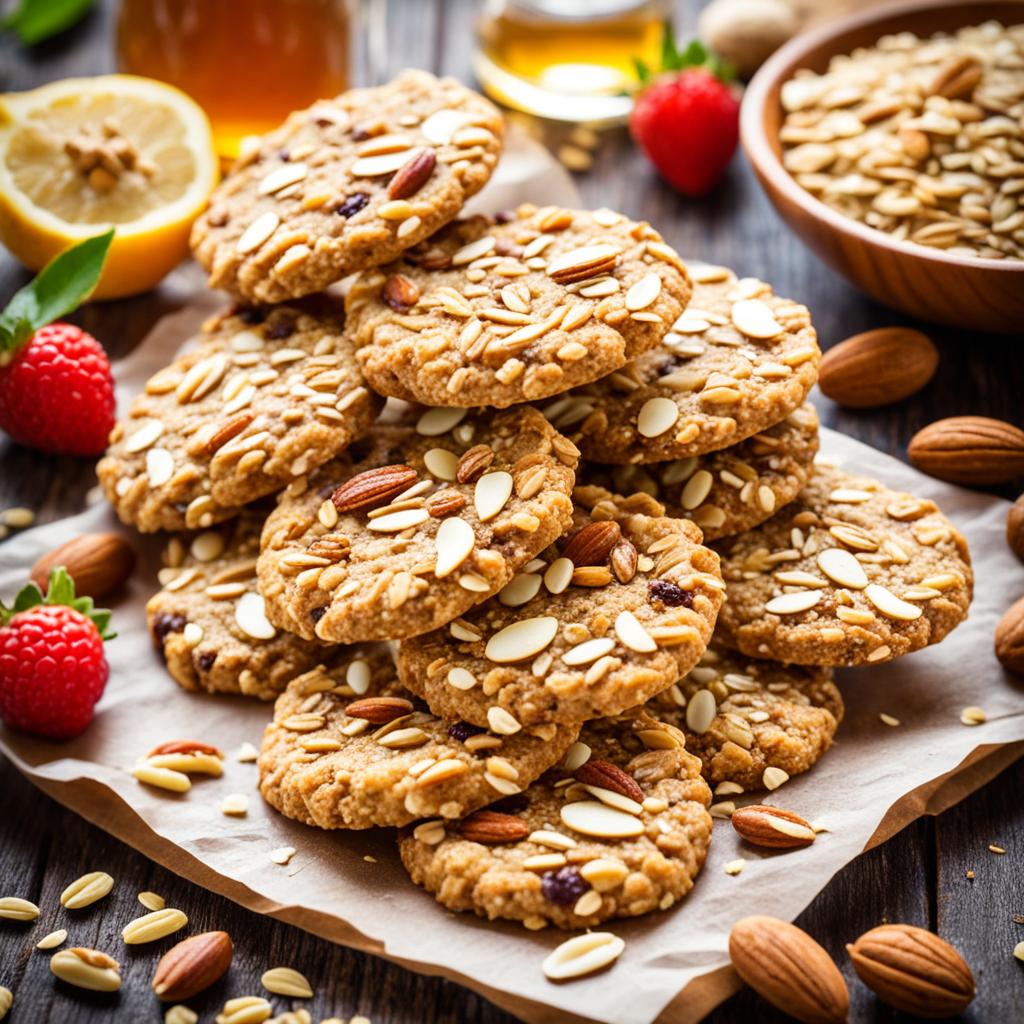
(192, 966)
(789, 969)
(99, 563)
(597, 772)
(878, 367)
(913, 970)
(493, 827)
(592, 544)
(969, 450)
(373, 488)
(772, 827)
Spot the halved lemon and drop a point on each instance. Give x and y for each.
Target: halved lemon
(82, 155)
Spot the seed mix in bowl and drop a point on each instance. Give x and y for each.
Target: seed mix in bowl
(920, 138)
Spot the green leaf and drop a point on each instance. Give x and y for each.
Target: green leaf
(643, 71)
(36, 20)
(60, 591)
(55, 291)
(669, 53)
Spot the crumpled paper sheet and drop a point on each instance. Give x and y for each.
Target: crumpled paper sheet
(874, 780)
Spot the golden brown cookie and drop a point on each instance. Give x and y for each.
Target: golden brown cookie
(349, 183)
(850, 573)
(348, 748)
(415, 527)
(497, 312)
(738, 360)
(621, 828)
(741, 715)
(270, 394)
(602, 621)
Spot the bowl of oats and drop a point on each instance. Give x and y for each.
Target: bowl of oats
(892, 143)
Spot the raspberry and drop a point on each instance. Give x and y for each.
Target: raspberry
(57, 393)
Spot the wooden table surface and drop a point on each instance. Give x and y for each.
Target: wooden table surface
(917, 877)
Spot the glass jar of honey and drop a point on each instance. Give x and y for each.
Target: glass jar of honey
(248, 63)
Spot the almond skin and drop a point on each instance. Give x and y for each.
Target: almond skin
(969, 450)
(591, 544)
(400, 293)
(379, 710)
(493, 827)
(913, 970)
(772, 827)
(878, 367)
(191, 966)
(373, 487)
(1015, 527)
(609, 776)
(785, 966)
(99, 563)
(412, 175)
(1010, 638)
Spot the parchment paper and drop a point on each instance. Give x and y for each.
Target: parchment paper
(874, 780)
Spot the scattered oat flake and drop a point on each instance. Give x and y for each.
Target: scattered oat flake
(247, 753)
(995, 849)
(734, 867)
(283, 854)
(888, 719)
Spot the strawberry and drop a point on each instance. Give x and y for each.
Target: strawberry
(56, 389)
(686, 120)
(52, 666)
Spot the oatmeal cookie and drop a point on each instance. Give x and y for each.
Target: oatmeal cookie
(496, 312)
(605, 619)
(741, 716)
(723, 492)
(349, 183)
(850, 573)
(628, 836)
(269, 394)
(416, 525)
(208, 621)
(738, 360)
(348, 748)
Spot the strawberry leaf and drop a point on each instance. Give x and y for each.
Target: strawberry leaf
(59, 591)
(36, 20)
(60, 287)
(694, 55)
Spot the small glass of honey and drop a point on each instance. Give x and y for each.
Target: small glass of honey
(247, 63)
(568, 60)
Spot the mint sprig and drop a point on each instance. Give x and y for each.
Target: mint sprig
(34, 21)
(694, 55)
(55, 291)
(59, 591)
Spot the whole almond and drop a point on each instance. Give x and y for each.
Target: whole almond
(969, 450)
(789, 969)
(373, 487)
(445, 503)
(878, 367)
(591, 544)
(229, 430)
(412, 175)
(400, 293)
(1010, 638)
(493, 827)
(606, 775)
(1015, 528)
(191, 966)
(379, 710)
(913, 970)
(772, 827)
(99, 563)
(623, 560)
(473, 463)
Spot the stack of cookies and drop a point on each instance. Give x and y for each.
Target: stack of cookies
(487, 613)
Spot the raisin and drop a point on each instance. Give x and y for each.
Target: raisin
(351, 206)
(163, 624)
(669, 594)
(564, 886)
(206, 660)
(251, 315)
(461, 731)
(283, 327)
(318, 613)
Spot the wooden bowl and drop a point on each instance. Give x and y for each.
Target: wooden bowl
(927, 283)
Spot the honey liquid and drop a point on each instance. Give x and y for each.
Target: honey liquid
(247, 63)
(566, 59)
